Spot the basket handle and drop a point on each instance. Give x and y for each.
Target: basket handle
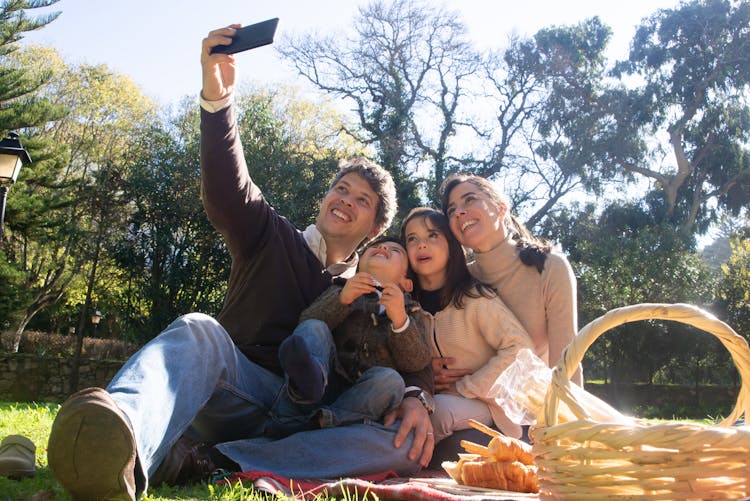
(560, 387)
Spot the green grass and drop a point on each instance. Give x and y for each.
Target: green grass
(35, 420)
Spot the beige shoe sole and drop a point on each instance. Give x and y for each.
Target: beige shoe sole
(17, 457)
(14, 472)
(91, 448)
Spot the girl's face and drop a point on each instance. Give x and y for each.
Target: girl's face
(428, 253)
(475, 219)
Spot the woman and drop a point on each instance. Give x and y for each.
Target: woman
(536, 283)
(469, 324)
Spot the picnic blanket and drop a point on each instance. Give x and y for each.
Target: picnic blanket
(384, 486)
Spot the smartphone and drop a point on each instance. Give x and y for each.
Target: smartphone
(249, 37)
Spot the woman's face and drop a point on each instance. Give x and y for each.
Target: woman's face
(428, 252)
(475, 219)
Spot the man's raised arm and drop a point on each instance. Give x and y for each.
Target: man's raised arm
(234, 205)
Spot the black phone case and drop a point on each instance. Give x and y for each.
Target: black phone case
(249, 37)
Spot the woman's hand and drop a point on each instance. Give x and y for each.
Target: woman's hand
(445, 377)
(414, 416)
(219, 70)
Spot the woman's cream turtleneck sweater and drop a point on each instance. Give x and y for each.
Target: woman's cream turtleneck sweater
(544, 303)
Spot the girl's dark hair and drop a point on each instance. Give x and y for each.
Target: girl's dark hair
(532, 250)
(459, 282)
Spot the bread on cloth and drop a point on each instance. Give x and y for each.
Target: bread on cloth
(505, 464)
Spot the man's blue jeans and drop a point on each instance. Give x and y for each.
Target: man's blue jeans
(376, 392)
(192, 379)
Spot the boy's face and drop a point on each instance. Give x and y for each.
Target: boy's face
(386, 261)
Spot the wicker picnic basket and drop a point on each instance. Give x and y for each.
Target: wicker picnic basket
(585, 459)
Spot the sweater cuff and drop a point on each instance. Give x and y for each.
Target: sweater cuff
(214, 106)
(403, 327)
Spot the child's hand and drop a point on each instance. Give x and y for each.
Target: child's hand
(393, 300)
(361, 283)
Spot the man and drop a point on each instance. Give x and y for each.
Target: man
(213, 381)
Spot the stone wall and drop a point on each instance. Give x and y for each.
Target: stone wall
(31, 378)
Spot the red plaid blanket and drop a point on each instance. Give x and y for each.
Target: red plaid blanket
(385, 486)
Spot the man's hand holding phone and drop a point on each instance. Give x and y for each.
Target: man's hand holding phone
(218, 63)
(249, 37)
(219, 70)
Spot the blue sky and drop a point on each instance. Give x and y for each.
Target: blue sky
(157, 42)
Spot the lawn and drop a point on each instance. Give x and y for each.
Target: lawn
(34, 421)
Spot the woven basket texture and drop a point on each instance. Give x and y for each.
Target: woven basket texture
(584, 459)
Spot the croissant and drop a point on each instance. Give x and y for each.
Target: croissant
(501, 448)
(506, 463)
(508, 476)
(510, 449)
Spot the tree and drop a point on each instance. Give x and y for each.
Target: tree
(404, 71)
(694, 65)
(674, 114)
(734, 287)
(174, 261)
(621, 257)
(74, 208)
(547, 117)
(20, 104)
(23, 107)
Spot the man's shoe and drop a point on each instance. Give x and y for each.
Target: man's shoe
(91, 448)
(17, 457)
(186, 462)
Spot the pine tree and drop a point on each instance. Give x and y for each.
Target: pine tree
(24, 109)
(21, 105)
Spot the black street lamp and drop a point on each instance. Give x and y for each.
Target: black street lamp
(12, 157)
(96, 317)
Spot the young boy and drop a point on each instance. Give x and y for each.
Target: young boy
(357, 347)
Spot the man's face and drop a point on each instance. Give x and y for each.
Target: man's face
(386, 261)
(348, 210)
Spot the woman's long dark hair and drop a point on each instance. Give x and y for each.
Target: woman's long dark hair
(459, 283)
(532, 250)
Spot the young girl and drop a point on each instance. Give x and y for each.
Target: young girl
(470, 324)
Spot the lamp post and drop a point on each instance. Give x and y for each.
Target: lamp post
(96, 317)
(12, 157)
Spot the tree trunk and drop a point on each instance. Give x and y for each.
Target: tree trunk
(40, 303)
(19, 332)
(82, 321)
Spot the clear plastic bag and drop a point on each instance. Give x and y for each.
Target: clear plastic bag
(521, 388)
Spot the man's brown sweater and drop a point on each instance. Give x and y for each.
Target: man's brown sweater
(274, 273)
